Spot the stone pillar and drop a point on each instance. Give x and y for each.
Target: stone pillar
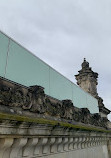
(17, 147)
(5, 145)
(28, 149)
(109, 147)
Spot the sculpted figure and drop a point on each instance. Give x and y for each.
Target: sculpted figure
(38, 99)
(53, 108)
(67, 109)
(85, 115)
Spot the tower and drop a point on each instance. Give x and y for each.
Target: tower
(87, 80)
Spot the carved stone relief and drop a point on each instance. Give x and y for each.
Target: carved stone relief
(34, 100)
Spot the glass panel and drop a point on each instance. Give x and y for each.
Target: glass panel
(60, 87)
(26, 69)
(79, 97)
(92, 104)
(3, 53)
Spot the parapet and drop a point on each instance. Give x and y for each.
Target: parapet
(32, 101)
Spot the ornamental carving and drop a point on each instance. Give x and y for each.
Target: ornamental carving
(87, 79)
(34, 100)
(37, 99)
(13, 96)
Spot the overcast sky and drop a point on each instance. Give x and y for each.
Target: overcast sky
(62, 33)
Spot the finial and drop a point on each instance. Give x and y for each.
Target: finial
(85, 64)
(84, 59)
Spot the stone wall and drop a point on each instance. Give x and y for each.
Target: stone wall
(34, 125)
(32, 100)
(27, 139)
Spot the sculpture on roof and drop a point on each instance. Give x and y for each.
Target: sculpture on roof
(33, 100)
(87, 80)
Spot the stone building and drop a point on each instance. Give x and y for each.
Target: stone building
(43, 114)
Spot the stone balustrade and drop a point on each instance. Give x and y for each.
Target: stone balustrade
(47, 146)
(21, 139)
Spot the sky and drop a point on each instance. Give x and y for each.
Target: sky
(62, 33)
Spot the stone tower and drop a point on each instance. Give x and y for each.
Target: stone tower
(87, 79)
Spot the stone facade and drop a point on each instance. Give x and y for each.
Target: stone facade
(34, 125)
(33, 140)
(34, 101)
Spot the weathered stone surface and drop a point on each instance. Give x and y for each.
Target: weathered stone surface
(13, 96)
(87, 80)
(42, 141)
(68, 109)
(53, 108)
(29, 135)
(37, 99)
(33, 100)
